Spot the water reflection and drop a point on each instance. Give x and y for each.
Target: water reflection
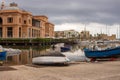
(25, 57)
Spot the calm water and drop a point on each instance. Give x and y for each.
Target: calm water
(25, 57)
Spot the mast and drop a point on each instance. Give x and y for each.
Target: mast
(106, 29)
(85, 30)
(119, 32)
(101, 31)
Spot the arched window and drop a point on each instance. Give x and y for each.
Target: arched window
(10, 19)
(19, 32)
(19, 20)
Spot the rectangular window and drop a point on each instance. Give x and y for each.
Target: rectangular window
(19, 32)
(29, 32)
(19, 20)
(10, 20)
(24, 21)
(0, 32)
(10, 32)
(35, 23)
(32, 33)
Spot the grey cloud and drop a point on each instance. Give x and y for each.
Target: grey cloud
(74, 11)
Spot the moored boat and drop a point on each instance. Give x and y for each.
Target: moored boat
(3, 55)
(51, 58)
(110, 52)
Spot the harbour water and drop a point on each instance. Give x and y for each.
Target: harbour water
(25, 57)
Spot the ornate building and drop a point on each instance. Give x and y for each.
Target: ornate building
(84, 35)
(67, 34)
(18, 23)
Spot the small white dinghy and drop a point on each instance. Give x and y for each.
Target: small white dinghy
(51, 58)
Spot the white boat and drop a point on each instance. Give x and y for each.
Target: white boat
(51, 58)
(75, 56)
(12, 52)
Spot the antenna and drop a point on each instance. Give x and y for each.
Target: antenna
(101, 31)
(119, 32)
(85, 28)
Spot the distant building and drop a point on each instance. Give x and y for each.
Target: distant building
(59, 34)
(18, 23)
(106, 37)
(67, 34)
(71, 34)
(85, 35)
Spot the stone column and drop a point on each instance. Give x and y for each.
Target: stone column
(4, 32)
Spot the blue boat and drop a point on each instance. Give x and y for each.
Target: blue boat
(3, 55)
(107, 53)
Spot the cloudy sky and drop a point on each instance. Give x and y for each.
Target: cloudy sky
(97, 15)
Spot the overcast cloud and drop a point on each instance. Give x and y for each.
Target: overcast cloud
(74, 11)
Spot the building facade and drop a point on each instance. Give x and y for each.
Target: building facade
(67, 34)
(84, 35)
(59, 34)
(106, 37)
(18, 23)
(49, 30)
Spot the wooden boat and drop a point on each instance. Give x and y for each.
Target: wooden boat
(3, 55)
(107, 53)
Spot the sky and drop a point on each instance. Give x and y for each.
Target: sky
(96, 15)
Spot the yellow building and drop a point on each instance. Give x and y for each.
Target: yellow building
(49, 30)
(18, 23)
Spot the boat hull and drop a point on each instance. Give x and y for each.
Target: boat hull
(102, 53)
(3, 55)
(50, 60)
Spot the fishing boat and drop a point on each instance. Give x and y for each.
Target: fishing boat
(107, 53)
